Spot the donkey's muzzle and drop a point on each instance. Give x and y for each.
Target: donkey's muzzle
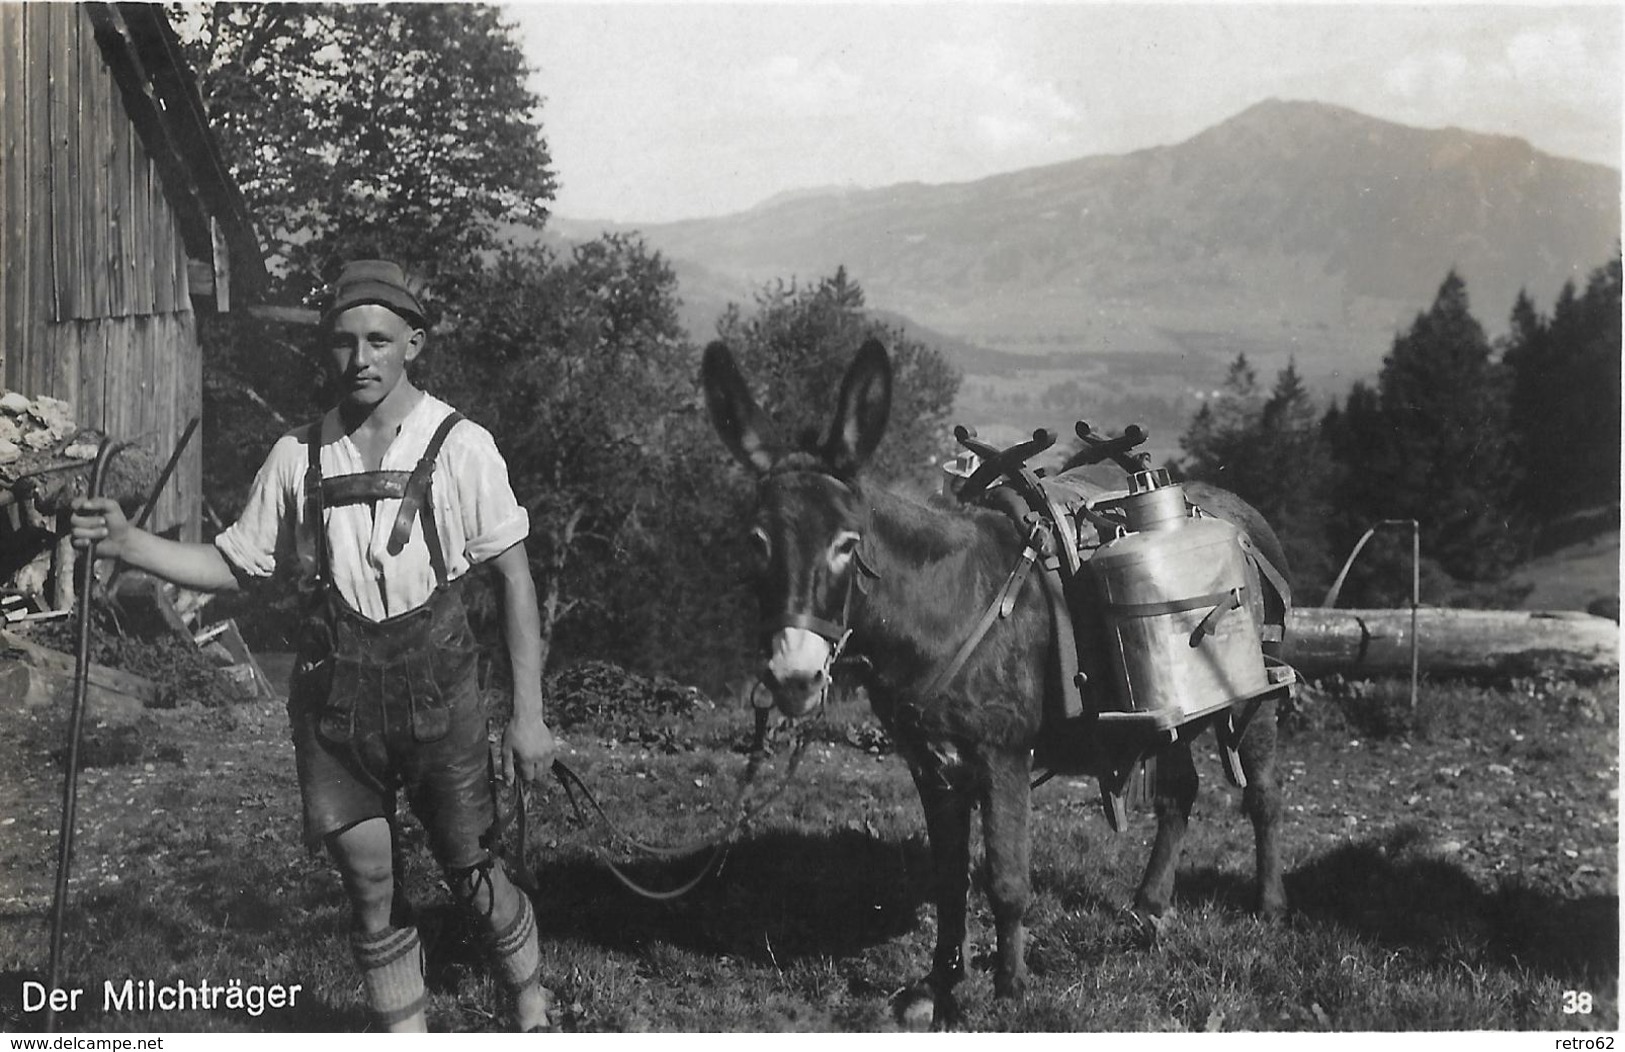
(797, 693)
(797, 672)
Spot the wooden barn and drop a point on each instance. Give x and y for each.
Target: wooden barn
(118, 224)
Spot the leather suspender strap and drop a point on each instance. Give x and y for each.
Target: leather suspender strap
(414, 489)
(313, 500)
(415, 501)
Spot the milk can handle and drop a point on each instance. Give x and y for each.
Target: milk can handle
(1204, 628)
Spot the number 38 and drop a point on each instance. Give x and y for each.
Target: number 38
(1576, 1002)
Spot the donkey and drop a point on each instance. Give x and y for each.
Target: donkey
(843, 564)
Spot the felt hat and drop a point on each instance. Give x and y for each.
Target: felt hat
(375, 281)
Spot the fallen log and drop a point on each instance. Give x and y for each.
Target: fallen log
(46, 677)
(1322, 640)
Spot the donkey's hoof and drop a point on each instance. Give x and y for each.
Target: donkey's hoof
(1147, 905)
(915, 1007)
(919, 1008)
(1148, 926)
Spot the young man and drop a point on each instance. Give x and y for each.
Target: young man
(382, 507)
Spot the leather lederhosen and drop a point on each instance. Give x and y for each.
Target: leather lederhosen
(380, 689)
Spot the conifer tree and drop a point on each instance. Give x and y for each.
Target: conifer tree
(1564, 399)
(1430, 443)
(1269, 451)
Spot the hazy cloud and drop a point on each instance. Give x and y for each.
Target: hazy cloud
(1005, 105)
(1561, 56)
(1420, 78)
(789, 86)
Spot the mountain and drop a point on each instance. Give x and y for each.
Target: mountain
(1293, 228)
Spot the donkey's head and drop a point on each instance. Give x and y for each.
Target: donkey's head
(808, 520)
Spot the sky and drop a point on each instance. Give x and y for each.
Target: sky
(655, 112)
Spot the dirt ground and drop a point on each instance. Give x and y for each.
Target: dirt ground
(1515, 788)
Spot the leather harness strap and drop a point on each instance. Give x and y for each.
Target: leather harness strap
(1004, 602)
(1270, 632)
(1041, 547)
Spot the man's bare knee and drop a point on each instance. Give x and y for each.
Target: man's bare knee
(365, 859)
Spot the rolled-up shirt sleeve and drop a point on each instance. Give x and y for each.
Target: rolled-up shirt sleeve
(493, 519)
(263, 534)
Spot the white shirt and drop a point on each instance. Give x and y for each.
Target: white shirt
(475, 511)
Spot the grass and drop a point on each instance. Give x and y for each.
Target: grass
(190, 867)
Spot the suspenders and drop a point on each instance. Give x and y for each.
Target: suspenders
(412, 487)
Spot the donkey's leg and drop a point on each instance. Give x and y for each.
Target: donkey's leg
(930, 1001)
(1262, 802)
(1006, 837)
(1175, 794)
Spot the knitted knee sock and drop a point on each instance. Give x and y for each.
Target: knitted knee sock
(518, 955)
(392, 969)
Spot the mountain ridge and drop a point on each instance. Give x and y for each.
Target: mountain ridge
(1299, 229)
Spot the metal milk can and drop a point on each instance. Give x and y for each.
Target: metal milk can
(1174, 590)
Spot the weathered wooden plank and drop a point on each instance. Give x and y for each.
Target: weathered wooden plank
(121, 391)
(1320, 641)
(83, 41)
(142, 224)
(119, 134)
(13, 191)
(86, 161)
(189, 491)
(156, 387)
(63, 144)
(97, 356)
(36, 44)
(62, 339)
(95, 156)
(166, 295)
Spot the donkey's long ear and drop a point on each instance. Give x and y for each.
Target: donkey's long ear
(861, 411)
(733, 411)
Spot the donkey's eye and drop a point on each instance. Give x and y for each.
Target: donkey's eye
(841, 549)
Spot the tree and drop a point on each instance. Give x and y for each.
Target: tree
(1269, 451)
(1299, 475)
(1431, 444)
(1222, 440)
(404, 130)
(581, 368)
(1564, 399)
(795, 348)
(1534, 403)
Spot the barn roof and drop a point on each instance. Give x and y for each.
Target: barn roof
(161, 97)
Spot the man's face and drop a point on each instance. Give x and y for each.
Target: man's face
(369, 347)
